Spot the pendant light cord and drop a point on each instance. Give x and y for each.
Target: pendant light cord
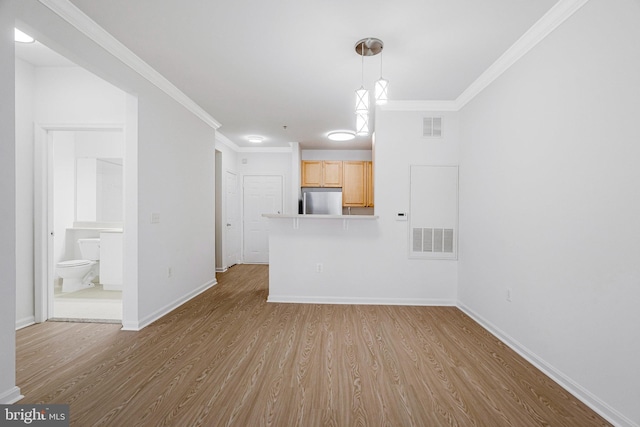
(362, 63)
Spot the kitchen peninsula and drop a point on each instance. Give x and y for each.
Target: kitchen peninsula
(320, 258)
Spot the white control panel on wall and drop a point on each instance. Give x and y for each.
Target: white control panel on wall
(433, 219)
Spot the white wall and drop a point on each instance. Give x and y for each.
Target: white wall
(355, 155)
(550, 206)
(72, 95)
(9, 393)
(176, 167)
(25, 97)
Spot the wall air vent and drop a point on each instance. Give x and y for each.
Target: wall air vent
(432, 127)
(438, 240)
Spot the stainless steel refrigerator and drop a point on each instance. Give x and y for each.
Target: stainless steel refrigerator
(322, 201)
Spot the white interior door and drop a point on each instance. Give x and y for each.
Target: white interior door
(232, 216)
(261, 195)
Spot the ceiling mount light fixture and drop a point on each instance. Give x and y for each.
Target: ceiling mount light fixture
(341, 135)
(255, 139)
(21, 37)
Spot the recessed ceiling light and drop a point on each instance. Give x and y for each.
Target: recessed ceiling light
(21, 37)
(341, 135)
(255, 139)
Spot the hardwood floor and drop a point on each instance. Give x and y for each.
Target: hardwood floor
(229, 358)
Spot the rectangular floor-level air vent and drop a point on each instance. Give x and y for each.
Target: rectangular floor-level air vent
(433, 240)
(432, 127)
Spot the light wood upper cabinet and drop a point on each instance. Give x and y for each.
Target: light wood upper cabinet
(357, 190)
(318, 173)
(312, 173)
(332, 173)
(353, 190)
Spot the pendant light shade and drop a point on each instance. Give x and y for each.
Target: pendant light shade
(362, 124)
(382, 85)
(381, 91)
(362, 101)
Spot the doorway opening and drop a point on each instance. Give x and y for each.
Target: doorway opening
(86, 209)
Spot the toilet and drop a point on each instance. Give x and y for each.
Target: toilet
(78, 273)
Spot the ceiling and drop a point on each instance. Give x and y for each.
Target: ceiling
(287, 70)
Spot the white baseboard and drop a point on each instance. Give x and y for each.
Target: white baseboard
(136, 326)
(359, 300)
(221, 270)
(563, 380)
(10, 396)
(25, 321)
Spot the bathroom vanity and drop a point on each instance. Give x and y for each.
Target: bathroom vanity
(111, 260)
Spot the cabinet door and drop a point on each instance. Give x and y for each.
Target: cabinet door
(353, 190)
(332, 173)
(369, 183)
(312, 173)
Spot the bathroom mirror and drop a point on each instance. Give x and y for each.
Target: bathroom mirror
(99, 190)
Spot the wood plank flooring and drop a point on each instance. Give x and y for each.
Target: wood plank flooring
(228, 358)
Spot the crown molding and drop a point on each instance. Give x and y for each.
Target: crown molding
(74, 16)
(559, 13)
(220, 138)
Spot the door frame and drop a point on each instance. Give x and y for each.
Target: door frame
(44, 270)
(225, 210)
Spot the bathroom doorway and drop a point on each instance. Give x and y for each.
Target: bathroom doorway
(85, 222)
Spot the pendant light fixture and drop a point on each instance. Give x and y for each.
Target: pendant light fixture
(362, 95)
(382, 85)
(368, 47)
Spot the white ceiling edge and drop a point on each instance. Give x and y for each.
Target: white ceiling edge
(551, 20)
(559, 13)
(74, 16)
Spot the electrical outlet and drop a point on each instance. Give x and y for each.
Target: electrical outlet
(508, 294)
(319, 267)
(169, 272)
